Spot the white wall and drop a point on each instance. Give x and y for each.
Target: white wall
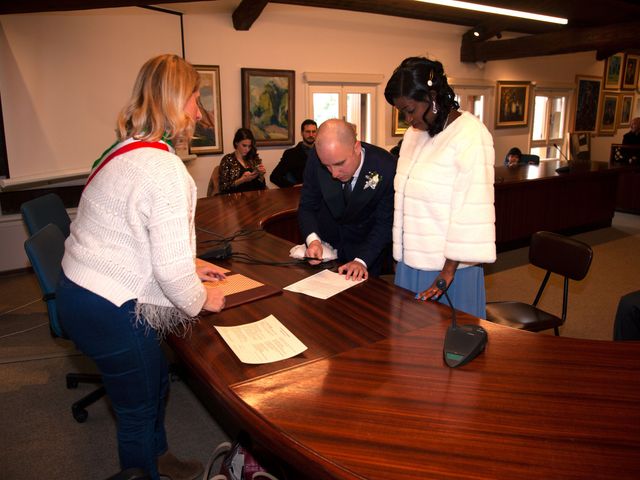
(307, 39)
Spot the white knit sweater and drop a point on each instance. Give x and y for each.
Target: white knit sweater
(444, 197)
(134, 235)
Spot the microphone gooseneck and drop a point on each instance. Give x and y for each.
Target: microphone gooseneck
(565, 168)
(442, 285)
(561, 154)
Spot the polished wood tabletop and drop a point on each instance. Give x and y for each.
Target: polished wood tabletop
(371, 396)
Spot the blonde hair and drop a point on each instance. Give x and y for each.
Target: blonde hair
(156, 107)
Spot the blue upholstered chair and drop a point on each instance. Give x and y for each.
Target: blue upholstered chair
(45, 249)
(41, 211)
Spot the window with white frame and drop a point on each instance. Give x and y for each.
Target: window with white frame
(351, 97)
(474, 97)
(548, 128)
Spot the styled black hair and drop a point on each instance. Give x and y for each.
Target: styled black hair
(308, 121)
(418, 78)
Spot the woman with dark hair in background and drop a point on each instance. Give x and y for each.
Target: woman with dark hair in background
(444, 216)
(242, 170)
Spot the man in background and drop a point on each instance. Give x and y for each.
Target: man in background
(632, 137)
(290, 169)
(347, 201)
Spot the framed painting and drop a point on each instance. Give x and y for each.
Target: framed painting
(398, 123)
(580, 146)
(613, 67)
(630, 77)
(608, 114)
(512, 108)
(268, 105)
(626, 106)
(207, 137)
(585, 116)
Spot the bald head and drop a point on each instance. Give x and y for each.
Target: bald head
(635, 125)
(338, 149)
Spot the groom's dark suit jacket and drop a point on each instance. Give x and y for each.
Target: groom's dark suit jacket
(362, 228)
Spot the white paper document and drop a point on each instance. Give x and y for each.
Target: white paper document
(322, 285)
(264, 341)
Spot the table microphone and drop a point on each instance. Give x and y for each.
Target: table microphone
(565, 168)
(461, 343)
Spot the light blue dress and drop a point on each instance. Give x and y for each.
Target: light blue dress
(466, 291)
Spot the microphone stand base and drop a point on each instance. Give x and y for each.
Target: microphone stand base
(463, 343)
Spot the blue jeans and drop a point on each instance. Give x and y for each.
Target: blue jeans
(133, 367)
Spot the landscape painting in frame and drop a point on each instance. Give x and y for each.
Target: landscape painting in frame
(268, 105)
(207, 137)
(588, 100)
(513, 104)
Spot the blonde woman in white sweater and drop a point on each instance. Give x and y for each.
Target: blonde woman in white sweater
(444, 215)
(129, 270)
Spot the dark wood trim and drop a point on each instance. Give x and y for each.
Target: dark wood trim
(610, 38)
(247, 12)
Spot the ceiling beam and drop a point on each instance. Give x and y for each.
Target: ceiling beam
(30, 6)
(607, 39)
(247, 12)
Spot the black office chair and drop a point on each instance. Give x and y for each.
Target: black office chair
(41, 211)
(45, 249)
(553, 253)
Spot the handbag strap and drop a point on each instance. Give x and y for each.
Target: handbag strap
(220, 451)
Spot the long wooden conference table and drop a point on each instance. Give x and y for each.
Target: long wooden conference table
(371, 397)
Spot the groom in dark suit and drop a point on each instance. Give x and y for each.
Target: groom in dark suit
(347, 200)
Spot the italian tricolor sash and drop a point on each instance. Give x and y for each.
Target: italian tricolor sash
(119, 148)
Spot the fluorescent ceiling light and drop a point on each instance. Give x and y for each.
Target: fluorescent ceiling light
(497, 10)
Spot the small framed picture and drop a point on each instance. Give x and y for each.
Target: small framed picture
(512, 108)
(626, 107)
(613, 67)
(608, 114)
(268, 105)
(588, 89)
(398, 123)
(207, 137)
(630, 77)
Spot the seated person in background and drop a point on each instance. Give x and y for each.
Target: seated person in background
(632, 137)
(242, 170)
(290, 169)
(516, 157)
(627, 323)
(513, 158)
(347, 200)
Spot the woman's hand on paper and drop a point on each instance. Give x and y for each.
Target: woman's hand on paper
(208, 271)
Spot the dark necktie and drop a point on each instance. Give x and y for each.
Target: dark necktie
(346, 191)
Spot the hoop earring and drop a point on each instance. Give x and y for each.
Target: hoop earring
(434, 107)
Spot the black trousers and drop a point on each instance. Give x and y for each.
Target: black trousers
(627, 323)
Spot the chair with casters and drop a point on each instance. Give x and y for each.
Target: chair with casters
(41, 211)
(45, 249)
(554, 253)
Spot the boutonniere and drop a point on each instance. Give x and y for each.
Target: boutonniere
(371, 180)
